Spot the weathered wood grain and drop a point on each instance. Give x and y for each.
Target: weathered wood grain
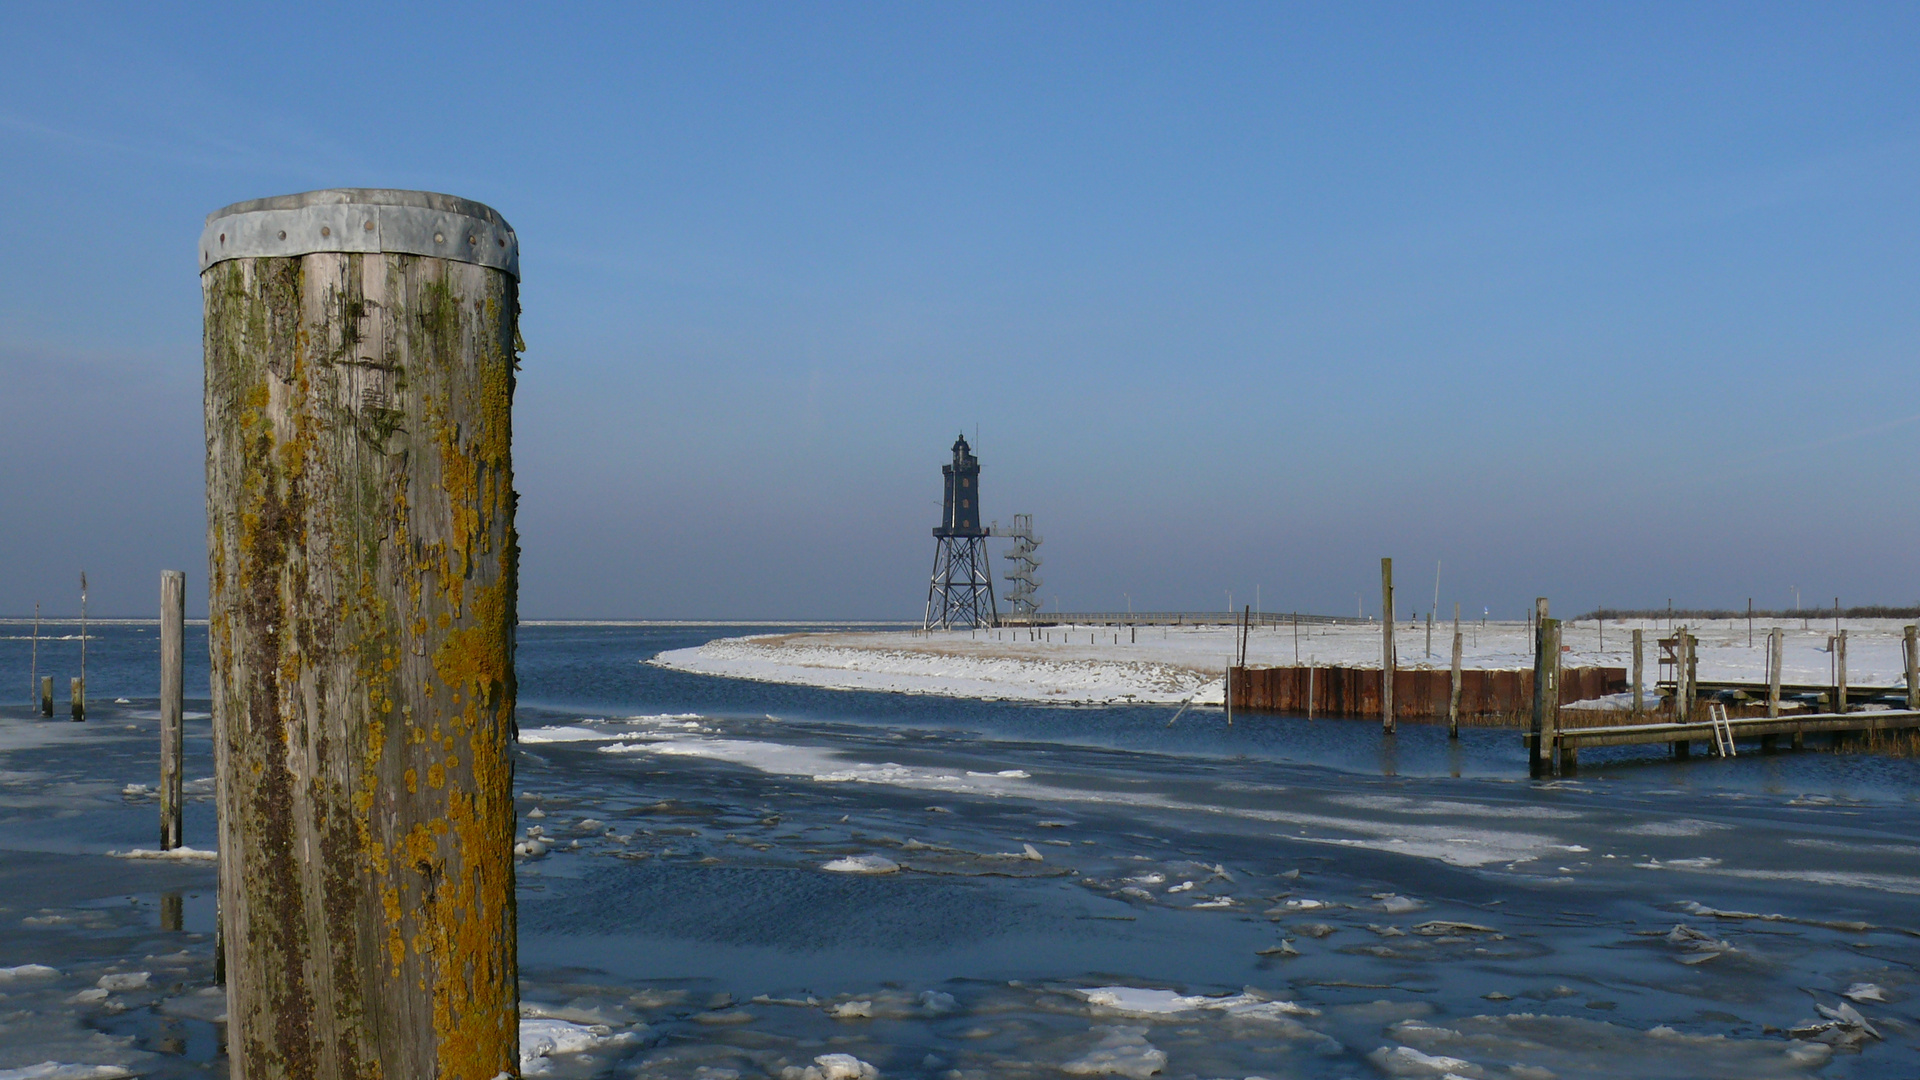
(362, 580)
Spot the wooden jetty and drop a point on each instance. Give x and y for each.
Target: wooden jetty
(1680, 735)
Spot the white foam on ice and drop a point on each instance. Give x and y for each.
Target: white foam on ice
(862, 864)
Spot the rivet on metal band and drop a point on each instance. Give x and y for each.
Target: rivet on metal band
(399, 222)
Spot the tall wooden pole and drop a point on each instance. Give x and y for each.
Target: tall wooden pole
(1639, 671)
(1913, 667)
(1840, 669)
(1453, 694)
(1536, 748)
(1386, 645)
(1773, 671)
(360, 356)
(173, 621)
(33, 678)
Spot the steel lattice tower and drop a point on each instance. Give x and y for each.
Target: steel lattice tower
(961, 590)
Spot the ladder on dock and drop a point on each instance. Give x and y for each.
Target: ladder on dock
(1722, 730)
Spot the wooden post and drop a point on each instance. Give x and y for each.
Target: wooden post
(1639, 670)
(1309, 690)
(1840, 669)
(173, 618)
(1569, 757)
(1913, 668)
(1386, 645)
(1453, 695)
(1773, 672)
(33, 672)
(77, 698)
(1536, 748)
(46, 695)
(360, 354)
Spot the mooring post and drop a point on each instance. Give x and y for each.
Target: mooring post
(1773, 672)
(1639, 672)
(173, 620)
(1569, 758)
(1453, 694)
(1536, 748)
(77, 698)
(46, 695)
(1839, 670)
(1912, 657)
(360, 356)
(1386, 645)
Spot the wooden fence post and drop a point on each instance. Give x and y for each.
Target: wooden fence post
(360, 356)
(46, 695)
(1386, 645)
(173, 619)
(77, 698)
(1913, 668)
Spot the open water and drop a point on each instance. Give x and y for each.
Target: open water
(1068, 891)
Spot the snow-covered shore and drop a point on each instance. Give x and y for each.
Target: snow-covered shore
(1100, 664)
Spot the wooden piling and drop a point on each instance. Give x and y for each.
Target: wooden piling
(46, 695)
(1912, 657)
(1639, 670)
(76, 698)
(1774, 650)
(1386, 645)
(1839, 669)
(360, 355)
(1537, 750)
(173, 618)
(1453, 695)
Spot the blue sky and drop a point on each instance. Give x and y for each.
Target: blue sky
(1609, 303)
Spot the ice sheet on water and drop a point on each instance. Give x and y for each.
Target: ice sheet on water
(1119, 1051)
(26, 971)
(542, 1038)
(57, 1070)
(832, 1067)
(132, 980)
(1573, 1047)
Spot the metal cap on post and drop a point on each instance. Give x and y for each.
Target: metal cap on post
(360, 356)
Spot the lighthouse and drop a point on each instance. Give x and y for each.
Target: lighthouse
(960, 593)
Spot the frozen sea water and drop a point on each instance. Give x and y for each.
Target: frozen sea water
(1078, 892)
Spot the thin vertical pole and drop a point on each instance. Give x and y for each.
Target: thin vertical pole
(33, 680)
(80, 697)
(1386, 645)
(173, 617)
(1566, 757)
(1749, 622)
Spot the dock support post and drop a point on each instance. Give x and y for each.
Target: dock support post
(362, 599)
(1537, 749)
(1453, 693)
(173, 618)
(1639, 671)
(77, 698)
(1773, 672)
(1386, 646)
(1840, 672)
(46, 695)
(1568, 757)
(1913, 668)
